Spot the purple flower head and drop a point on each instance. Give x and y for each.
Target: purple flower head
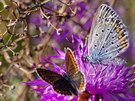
(103, 83)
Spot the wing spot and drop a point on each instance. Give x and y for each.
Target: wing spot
(124, 45)
(112, 12)
(102, 30)
(117, 30)
(96, 34)
(112, 42)
(121, 35)
(106, 51)
(95, 45)
(107, 8)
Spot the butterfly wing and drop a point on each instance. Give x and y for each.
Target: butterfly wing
(108, 37)
(48, 76)
(78, 79)
(63, 86)
(70, 63)
(59, 83)
(116, 60)
(76, 76)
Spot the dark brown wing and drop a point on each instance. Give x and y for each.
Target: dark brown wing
(62, 86)
(71, 65)
(48, 76)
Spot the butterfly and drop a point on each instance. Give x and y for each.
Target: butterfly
(108, 37)
(70, 82)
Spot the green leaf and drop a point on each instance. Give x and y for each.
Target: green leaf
(1, 6)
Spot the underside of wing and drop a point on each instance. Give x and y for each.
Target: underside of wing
(116, 60)
(108, 37)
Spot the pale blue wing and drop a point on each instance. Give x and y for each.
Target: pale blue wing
(108, 37)
(116, 60)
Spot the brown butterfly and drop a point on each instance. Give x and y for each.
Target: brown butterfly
(70, 82)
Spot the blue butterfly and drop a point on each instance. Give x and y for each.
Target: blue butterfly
(108, 37)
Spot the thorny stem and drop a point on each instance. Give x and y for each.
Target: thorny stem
(38, 54)
(49, 22)
(49, 34)
(47, 18)
(24, 90)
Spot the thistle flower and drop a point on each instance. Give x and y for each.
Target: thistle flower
(104, 83)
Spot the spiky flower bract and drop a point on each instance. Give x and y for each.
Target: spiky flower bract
(103, 82)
